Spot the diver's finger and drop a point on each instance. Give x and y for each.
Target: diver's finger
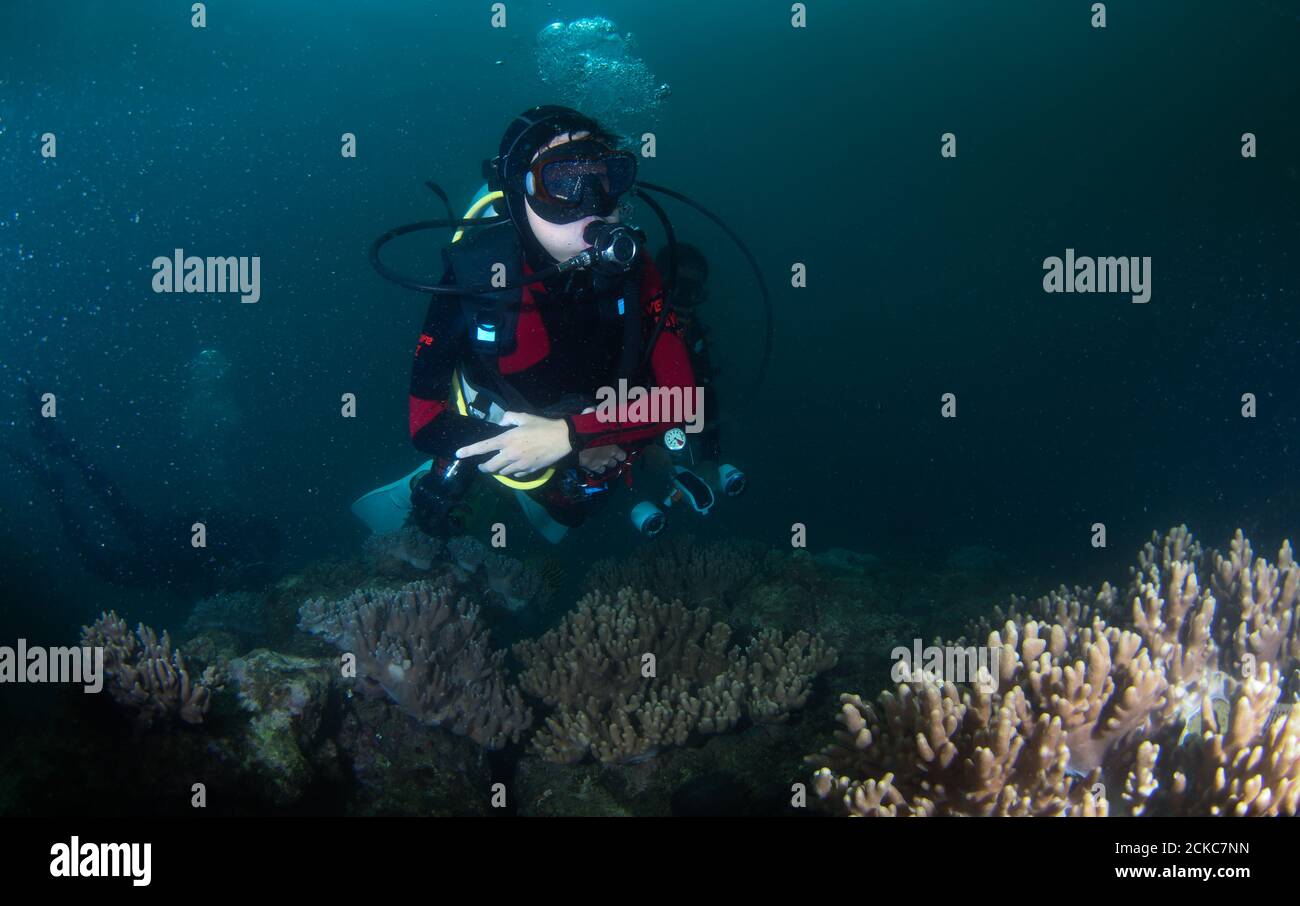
(497, 463)
(519, 462)
(482, 446)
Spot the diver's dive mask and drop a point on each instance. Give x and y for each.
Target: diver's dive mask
(578, 179)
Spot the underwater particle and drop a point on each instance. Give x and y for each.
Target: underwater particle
(209, 366)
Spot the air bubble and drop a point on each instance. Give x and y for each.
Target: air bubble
(593, 68)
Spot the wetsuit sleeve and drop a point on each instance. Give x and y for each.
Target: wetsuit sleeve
(436, 427)
(670, 364)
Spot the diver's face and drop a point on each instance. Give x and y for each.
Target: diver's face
(562, 240)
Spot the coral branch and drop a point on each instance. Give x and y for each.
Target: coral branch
(1167, 705)
(146, 675)
(429, 654)
(629, 676)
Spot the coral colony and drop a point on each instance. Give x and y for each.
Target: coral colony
(1174, 695)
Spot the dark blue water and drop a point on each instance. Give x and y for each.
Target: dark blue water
(818, 146)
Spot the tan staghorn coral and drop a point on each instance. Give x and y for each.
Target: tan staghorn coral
(629, 675)
(1260, 603)
(429, 654)
(778, 672)
(1248, 766)
(936, 748)
(144, 674)
(1161, 700)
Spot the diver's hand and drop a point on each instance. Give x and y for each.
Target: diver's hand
(598, 459)
(531, 444)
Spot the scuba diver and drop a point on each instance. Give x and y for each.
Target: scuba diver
(120, 543)
(540, 309)
(509, 385)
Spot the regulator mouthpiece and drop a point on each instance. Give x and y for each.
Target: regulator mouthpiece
(614, 246)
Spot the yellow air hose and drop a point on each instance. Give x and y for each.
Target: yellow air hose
(524, 485)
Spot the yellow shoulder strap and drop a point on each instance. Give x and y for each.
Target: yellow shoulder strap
(529, 484)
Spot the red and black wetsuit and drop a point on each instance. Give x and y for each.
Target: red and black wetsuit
(564, 350)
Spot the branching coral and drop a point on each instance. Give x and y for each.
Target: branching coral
(629, 675)
(1260, 604)
(429, 653)
(144, 674)
(1167, 699)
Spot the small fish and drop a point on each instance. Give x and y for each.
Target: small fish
(1216, 696)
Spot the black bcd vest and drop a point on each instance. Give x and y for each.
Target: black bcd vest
(492, 317)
